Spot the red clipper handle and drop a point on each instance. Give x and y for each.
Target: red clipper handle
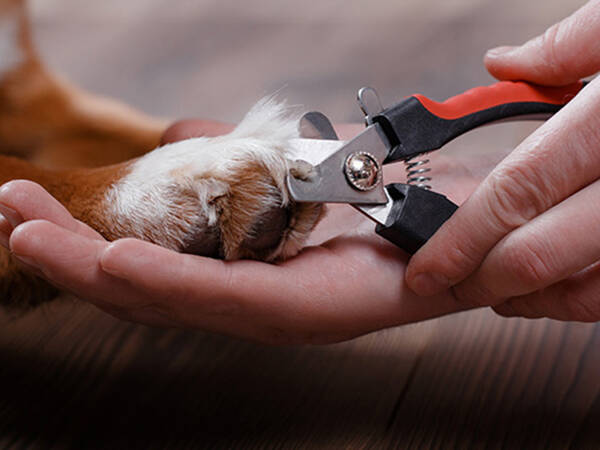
(502, 93)
(418, 124)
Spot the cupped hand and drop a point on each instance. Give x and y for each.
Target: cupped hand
(527, 241)
(346, 283)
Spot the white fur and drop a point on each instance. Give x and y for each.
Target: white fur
(11, 55)
(148, 194)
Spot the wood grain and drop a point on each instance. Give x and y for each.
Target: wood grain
(73, 377)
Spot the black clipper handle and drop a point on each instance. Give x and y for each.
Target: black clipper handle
(418, 124)
(416, 215)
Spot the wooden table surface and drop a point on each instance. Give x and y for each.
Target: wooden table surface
(74, 377)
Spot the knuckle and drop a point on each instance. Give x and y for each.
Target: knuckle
(460, 261)
(516, 196)
(554, 60)
(455, 262)
(526, 266)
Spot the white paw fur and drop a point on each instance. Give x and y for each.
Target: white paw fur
(217, 189)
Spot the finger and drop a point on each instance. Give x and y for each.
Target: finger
(64, 257)
(199, 292)
(562, 241)
(70, 261)
(574, 299)
(26, 200)
(560, 158)
(194, 285)
(566, 52)
(189, 128)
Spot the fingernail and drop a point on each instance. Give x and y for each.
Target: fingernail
(28, 261)
(13, 217)
(430, 283)
(499, 51)
(107, 263)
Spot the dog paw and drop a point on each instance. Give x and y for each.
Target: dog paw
(223, 197)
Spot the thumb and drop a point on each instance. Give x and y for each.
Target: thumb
(565, 53)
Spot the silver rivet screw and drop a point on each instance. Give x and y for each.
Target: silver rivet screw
(362, 171)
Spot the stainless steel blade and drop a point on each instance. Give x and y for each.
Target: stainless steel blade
(313, 151)
(316, 125)
(328, 183)
(378, 213)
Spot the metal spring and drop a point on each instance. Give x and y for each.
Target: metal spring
(416, 173)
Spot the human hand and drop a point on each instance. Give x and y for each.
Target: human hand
(527, 241)
(349, 282)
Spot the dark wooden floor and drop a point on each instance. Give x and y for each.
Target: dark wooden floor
(73, 377)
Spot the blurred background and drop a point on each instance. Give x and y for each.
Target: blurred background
(215, 58)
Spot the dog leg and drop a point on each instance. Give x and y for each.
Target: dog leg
(45, 119)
